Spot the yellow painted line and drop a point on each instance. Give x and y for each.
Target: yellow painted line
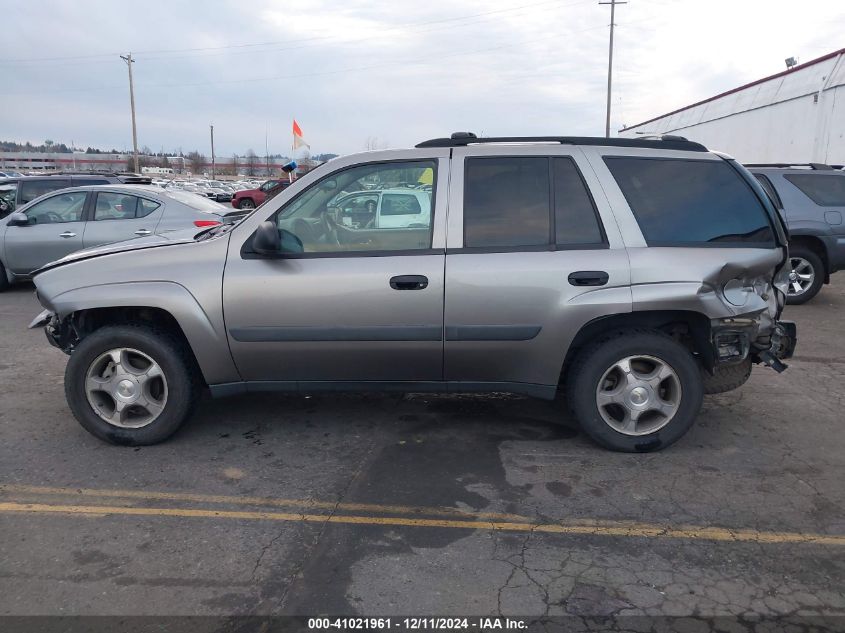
(150, 495)
(606, 528)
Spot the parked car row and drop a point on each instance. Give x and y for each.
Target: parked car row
(16, 191)
(810, 197)
(61, 222)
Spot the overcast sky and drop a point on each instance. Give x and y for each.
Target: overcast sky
(399, 71)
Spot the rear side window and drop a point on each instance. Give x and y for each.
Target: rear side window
(826, 190)
(145, 207)
(31, 189)
(507, 202)
(118, 206)
(678, 201)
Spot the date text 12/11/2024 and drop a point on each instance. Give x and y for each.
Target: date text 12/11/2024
(418, 624)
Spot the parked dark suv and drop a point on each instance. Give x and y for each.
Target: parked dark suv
(811, 199)
(20, 191)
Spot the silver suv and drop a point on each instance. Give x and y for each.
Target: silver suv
(634, 274)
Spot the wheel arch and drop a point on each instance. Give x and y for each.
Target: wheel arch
(163, 304)
(815, 244)
(688, 327)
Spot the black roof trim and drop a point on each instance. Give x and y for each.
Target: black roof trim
(666, 142)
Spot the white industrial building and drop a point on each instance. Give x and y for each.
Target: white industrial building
(796, 116)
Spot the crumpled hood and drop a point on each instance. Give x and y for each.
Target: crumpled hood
(169, 238)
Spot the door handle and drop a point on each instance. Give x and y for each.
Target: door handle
(143, 232)
(588, 278)
(67, 234)
(409, 282)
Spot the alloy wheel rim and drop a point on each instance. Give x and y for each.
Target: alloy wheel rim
(638, 395)
(126, 388)
(801, 276)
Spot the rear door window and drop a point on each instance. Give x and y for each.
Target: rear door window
(507, 202)
(682, 202)
(576, 218)
(115, 206)
(826, 190)
(119, 206)
(31, 189)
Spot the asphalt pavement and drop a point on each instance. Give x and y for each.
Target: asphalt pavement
(431, 505)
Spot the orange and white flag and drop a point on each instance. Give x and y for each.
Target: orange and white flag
(298, 141)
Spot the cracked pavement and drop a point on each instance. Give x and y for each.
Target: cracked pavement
(766, 458)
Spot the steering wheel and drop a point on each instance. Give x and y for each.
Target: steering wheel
(329, 226)
(55, 218)
(305, 231)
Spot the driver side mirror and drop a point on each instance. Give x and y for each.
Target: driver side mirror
(18, 219)
(274, 242)
(267, 240)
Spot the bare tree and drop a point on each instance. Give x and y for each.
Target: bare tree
(374, 143)
(251, 162)
(198, 161)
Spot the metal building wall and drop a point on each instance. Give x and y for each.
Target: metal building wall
(795, 116)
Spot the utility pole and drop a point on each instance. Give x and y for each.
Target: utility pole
(612, 4)
(267, 148)
(129, 61)
(212, 151)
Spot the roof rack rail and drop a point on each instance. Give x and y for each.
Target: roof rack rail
(667, 141)
(79, 172)
(817, 166)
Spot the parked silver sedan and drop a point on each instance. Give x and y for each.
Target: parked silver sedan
(63, 221)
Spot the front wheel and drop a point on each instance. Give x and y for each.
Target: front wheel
(635, 391)
(131, 384)
(246, 203)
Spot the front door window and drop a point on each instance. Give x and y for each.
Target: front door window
(373, 207)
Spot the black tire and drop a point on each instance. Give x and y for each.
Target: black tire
(171, 354)
(246, 203)
(817, 265)
(727, 377)
(593, 361)
(4, 281)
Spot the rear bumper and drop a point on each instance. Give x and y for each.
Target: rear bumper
(734, 343)
(786, 333)
(782, 343)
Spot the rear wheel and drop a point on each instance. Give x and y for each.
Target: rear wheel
(131, 384)
(806, 275)
(246, 203)
(635, 391)
(4, 280)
